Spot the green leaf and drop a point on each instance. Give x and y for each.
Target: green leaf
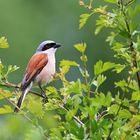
(111, 1)
(4, 94)
(81, 47)
(3, 43)
(98, 67)
(119, 68)
(52, 104)
(76, 101)
(65, 69)
(122, 84)
(6, 109)
(133, 85)
(83, 20)
(117, 46)
(134, 121)
(12, 69)
(100, 79)
(68, 63)
(70, 114)
(113, 109)
(136, 96)
(101, 67)
(76, 130)
(51, 90)
(111, 38)
(75, 87)
(124, 114)
(108, 99)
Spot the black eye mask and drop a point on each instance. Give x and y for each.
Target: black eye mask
(48, 46)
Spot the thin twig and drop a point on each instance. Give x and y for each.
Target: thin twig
(8, 84)
(76, 118)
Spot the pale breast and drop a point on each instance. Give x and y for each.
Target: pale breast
(48, 71)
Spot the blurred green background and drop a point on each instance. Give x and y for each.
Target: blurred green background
(26, 23)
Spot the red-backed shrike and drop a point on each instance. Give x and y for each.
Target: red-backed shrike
(40, 69)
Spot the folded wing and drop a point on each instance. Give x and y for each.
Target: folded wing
(34, 67)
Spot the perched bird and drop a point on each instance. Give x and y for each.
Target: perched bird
(40, 69)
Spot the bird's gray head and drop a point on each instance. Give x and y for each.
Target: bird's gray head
(46, 45)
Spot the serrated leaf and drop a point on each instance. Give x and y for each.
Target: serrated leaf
(111, 38)
(113, 109)
(100, 79)
(111, 1)
(12, 68)
(122, 84)
(3, 43)
(101, 9)
(98, 29)
(119, 68)
(68, 63)
(83, 20)
(81, 47)
(101, 67)
(6, 109)
(123, 114)
(117, 46)
(108, 99)
(75, 87)
(134, 85)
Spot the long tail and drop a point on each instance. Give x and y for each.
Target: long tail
(21, 98)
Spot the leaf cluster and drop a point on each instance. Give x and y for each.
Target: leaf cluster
(79, 109)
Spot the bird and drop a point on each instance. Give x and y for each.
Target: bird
(40, 69)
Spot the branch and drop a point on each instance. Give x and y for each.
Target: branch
(8, 84)
(75, 118)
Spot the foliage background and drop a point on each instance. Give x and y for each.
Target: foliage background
(26, 23)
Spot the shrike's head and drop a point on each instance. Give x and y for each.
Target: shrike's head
(47, 46)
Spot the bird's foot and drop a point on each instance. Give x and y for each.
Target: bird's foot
(45, 98)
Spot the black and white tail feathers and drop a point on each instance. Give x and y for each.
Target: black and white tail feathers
(22, 97)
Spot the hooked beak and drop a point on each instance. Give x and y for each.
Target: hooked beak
(57, 46)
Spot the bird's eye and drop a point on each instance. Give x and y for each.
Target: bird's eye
(44, 48)
(48, 46)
